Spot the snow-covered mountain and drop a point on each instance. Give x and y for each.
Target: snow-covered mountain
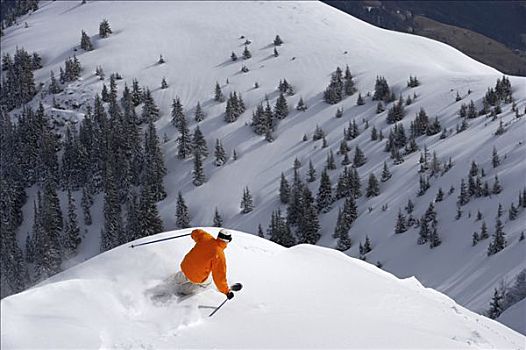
(301, 297)
(196, 40)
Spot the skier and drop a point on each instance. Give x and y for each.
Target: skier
(206, 256)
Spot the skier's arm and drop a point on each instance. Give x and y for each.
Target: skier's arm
(219, 273)
(198, 234)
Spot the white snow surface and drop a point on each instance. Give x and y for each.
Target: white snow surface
(301, 297)
(514, 317)
(196, 39)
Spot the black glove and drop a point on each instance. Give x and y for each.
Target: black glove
(230, 295)
(236, 287)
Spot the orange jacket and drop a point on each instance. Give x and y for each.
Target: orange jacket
(206, 256)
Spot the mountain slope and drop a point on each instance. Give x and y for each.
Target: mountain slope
(316, 38)
(303, 297)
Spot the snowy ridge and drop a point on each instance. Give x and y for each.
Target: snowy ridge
(302, 297)
(319, 38)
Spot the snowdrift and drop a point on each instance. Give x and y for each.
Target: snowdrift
(302, 297)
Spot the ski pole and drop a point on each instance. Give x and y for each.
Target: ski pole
(236, 287)
(213, 312)
(159, 240)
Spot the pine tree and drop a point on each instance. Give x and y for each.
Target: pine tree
(184, 142)
(218, 220)
(72, 237)
(104, 29)
(360, 100)
(495, 160)
(499, 241)
(401, 226)
(483, 231)
(311, 174)
(233, 56)
(177, 113)
(278, 41)
(373, 188)
(85, 42)
(220, 154)
(386, 174)
(325, 197)
(280, 109)
(113, 227)
(513, 212)
(86, 203)
(463, 197)
(495, 306)
(309, 225)
(497, 188)
(247, 204)
(284, 190)
(440, 195)
(331, 164)
(301, 106)
(199, 114)
(344, 241)
(54, 87)
(153, 163)
(260, 231)
(359, 157)
(199, 177)
(334, 92)
(164, 84)
(150, 222)
(199, 142)
(246, 53)
(182, 214)
(279, 230)
(276, 53)
(150, 111)
(218, 94)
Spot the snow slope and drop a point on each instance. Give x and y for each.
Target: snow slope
(196, 39)
(302, 297)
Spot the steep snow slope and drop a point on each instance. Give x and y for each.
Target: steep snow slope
(196, 40)
(302, 297)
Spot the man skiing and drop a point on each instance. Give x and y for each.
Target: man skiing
(205, 257)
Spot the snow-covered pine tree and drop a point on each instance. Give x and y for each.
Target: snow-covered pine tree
(499, 239)
(495, 306)
(71, 236)
(153, 163)
(360, 100)
(497, 188)
(246, 53)
(150, 111)
(54, 87)
(85, 42)
(218, 220)
(113, 226)
(311, 173)
(359, 157)
(219, 153)
(182, 214)
(277, 41)
(177, 113)
(334, 92)
(164, 84)
(104, 29)
(495, 159)
(198, 174)
(184, 141)
(325, 197)
(199, 142)
(373, 188)
(284, 190)
(280, 109)
(247, 204)
(400, 226)
(150, 222)
(386, 174)
(218, 94)
(199, 113)
(301, 106)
